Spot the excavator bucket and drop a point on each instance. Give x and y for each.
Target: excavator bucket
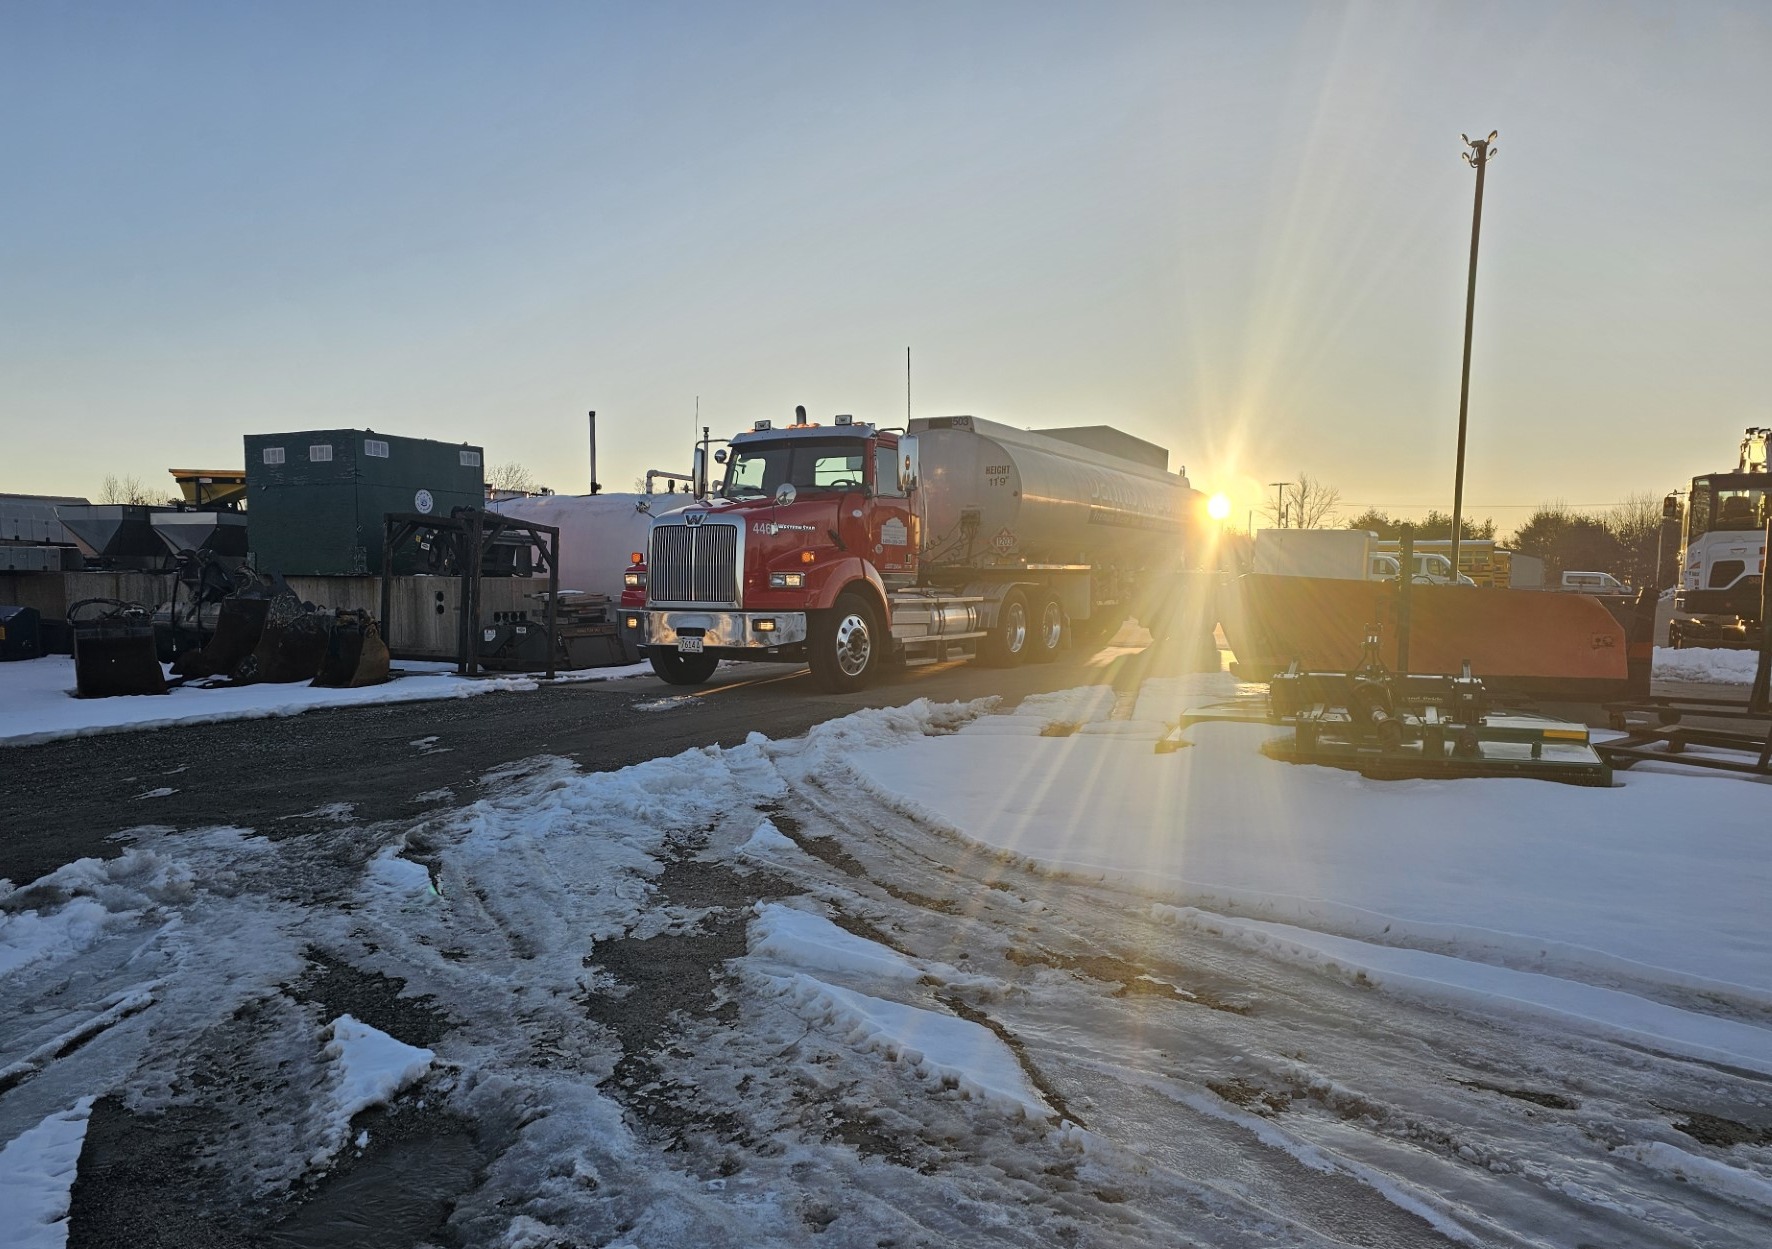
(114, 649)
(355, 654)
(1524, 643)
(238, 627)
(291, 645)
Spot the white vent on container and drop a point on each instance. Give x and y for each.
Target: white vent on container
(375, 447)
(273, 455)
(470, 459)
(319, 453)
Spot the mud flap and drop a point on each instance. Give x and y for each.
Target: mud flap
(114, 650)
(355, 654)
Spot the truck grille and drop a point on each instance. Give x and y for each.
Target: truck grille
(693, 564)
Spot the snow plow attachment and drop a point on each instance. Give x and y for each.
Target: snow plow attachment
(355, 654)
(1523, 643)
(114, 649)
(291, 645)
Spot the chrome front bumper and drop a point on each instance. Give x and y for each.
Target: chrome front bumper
(721, 630)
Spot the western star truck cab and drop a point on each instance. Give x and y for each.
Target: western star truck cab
(848, 547)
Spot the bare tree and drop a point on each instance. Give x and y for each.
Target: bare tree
(127, 489)
(1306, 503)
(511, 477)
(1636, 523)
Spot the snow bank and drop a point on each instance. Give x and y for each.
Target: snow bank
(766, 839)
(372, 1067)
(37, 702)
(940, 1048)
(816, 944)
(65, 912)
(37, 1179)
(1715, 665)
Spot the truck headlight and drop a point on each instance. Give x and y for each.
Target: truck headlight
(633, 580)
(786, 580)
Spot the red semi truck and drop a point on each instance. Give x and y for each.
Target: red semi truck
(850, 548)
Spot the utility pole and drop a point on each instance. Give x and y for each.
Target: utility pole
(1481, 150)
(1280, 502)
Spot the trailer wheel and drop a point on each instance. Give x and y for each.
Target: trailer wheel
(679, 669)
(1049, 631)
(1011, 638)
(846, 646)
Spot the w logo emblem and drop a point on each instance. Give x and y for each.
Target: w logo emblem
(694, 518)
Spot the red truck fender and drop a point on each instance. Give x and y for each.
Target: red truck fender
(845, 573)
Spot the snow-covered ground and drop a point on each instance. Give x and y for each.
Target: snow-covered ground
(935, 975)
(1516, 895)
(37, 702)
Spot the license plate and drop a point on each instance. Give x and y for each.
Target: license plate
(689, 646)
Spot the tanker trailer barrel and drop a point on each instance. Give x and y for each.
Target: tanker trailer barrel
(1040, 499)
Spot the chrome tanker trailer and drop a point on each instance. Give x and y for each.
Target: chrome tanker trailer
(849, 547)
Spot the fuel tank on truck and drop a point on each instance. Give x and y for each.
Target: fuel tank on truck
(995, 494)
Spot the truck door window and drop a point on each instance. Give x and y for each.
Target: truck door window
(886, 472)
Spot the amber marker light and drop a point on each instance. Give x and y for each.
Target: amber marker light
(806, 557)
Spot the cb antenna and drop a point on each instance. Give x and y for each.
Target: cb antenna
(907, 387)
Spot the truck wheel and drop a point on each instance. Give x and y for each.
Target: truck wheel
(846, 645)
(1049, 631)
(680, 669)
(1011, 637)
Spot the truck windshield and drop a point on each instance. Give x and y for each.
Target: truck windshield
(758, 469)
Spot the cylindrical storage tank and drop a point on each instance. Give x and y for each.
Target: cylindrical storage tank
(1041, 500)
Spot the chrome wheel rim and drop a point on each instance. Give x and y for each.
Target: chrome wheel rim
(853, 645)
(1015, 628)
(1051, 626)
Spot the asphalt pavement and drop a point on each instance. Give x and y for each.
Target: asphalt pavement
(69, 799)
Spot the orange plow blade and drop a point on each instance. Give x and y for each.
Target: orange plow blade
(1532, 643)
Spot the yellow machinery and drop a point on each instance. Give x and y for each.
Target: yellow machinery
(204, 487)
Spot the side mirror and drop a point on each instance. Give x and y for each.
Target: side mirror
(785, 494)
(907, 463)
(699, 470)
(720, 456)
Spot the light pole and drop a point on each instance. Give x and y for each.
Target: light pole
(1478, 158)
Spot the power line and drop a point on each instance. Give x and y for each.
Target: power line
(1552, 505)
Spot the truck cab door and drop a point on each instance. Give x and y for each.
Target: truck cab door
(892, 536)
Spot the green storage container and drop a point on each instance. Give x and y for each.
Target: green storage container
(316, 499)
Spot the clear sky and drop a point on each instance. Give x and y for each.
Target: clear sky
(1238, 230)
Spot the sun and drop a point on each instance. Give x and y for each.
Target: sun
(1218, 507)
